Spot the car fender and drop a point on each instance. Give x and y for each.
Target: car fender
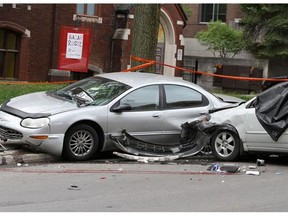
(60, 123)
(229, 127)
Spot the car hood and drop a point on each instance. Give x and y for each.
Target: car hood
(229, 99)
(37, 105)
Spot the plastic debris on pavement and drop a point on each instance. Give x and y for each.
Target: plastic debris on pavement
(253, 169)
(253, 172)
(234, 168)
(229, 168)
(260, 162)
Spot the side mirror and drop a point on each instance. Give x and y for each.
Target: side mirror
(122, 107)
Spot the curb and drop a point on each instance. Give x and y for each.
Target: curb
(20, 156)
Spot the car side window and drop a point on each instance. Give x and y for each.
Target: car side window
(143, 99)
(183, 97)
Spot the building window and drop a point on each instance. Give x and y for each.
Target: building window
(86, 9)
(9, 49)
(213, 12)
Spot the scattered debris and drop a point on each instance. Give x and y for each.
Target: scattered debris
(229, 168)
(146, 159)
(260, 162)
(253, 172)
(74, 187)
(213, 167)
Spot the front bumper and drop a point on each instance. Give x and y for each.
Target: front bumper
(11, 132)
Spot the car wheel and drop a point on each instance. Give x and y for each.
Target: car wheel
(80, 143)
(225, 145)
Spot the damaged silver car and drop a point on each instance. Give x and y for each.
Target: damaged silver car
(76, 121)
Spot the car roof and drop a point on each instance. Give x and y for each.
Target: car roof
(136, 79)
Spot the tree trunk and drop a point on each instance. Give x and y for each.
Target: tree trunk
(145, 33)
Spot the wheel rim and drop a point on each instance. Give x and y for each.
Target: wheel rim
(207, 150)
(224, 144)
(81, 143)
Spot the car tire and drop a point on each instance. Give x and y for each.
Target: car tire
(80, 143)
(226, 145)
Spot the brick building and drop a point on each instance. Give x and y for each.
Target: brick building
(199, 56)
(202, 14)
(29, 38)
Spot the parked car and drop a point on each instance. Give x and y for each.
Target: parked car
(76, 121)
(258, 126)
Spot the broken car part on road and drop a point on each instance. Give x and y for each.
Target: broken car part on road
(193, 138)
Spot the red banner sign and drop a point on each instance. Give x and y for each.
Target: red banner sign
(74, 49)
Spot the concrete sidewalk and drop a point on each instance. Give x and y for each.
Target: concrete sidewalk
(19, 156)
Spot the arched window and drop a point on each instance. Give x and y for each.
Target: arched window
(9, 50)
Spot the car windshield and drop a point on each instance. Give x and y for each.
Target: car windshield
(93, 91)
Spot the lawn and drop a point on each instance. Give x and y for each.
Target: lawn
(8, 91)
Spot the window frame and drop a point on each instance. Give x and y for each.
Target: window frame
(8, 51)
(133, 109)
(214, 13)
(85, 10)
(204, 99)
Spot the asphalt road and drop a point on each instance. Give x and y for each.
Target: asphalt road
(116, 185)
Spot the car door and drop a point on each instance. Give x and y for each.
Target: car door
(181, 104)
(144, 120)
(257, 137)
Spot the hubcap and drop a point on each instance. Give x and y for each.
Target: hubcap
(81, 143)
(225, 144)
(207, 150)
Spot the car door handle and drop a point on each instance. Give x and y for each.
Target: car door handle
(156, 115)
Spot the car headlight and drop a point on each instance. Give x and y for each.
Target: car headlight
(34, 123)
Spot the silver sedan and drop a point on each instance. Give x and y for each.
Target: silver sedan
(75, 122)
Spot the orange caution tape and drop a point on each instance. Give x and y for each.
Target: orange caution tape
(214, 75)
(139, 67)
(149, 63)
